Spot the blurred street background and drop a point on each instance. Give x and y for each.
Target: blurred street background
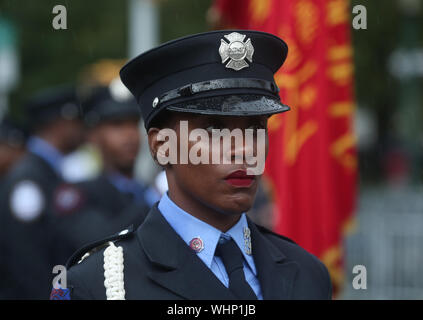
(386, 233)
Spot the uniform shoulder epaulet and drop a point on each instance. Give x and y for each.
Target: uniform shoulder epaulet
(89, 249)
(265, 230)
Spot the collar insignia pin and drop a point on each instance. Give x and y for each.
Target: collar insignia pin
(247, 240)
(236, 51)
(196, 244)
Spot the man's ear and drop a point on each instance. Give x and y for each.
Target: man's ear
(154, 143)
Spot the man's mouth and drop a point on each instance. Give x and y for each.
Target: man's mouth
(240, 179)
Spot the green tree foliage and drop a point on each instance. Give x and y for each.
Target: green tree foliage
(96, 29)
(179, 18)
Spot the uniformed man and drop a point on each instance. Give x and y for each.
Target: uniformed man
(197, 243)
(29, 247)
(113, 118)
(12, 144)
(114, 199)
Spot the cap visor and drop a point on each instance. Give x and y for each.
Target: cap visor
(232, 105)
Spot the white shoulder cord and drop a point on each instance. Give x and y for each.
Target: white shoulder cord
(83, 257)
(113, 272)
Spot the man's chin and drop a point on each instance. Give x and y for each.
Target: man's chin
(236, 208)
(126, 168)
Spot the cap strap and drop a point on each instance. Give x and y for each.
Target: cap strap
(218, 84)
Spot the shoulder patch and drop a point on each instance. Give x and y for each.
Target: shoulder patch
(27, 201)
(67, 199)
(84, 252)
(265, 230)
(60, 294)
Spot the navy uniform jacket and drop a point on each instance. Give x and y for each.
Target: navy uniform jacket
(101, 210)
(159, 265)
(101, 194)
(28, 250)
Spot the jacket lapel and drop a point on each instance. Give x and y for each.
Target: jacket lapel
(116, 200)
(48, 172)
(275, 272)
(175, 266)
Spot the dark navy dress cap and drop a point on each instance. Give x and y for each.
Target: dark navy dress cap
(106, 103)
(52, 103)
(228, 72)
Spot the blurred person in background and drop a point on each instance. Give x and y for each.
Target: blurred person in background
(114, 199)
(113, 118)
(30, 248)
(86, 162)
(12, 144)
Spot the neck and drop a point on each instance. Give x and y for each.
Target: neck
(126, 172)
(195, 207)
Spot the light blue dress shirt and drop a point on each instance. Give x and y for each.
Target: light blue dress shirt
(47, 152)
(189, 227)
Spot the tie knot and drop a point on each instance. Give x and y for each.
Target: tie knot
(231, 255)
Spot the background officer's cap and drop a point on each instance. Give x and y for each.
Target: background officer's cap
(227, 72)
(53, 103)
(105, 103)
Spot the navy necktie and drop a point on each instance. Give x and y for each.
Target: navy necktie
(233, 260)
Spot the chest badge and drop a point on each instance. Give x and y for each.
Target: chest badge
(236, 51)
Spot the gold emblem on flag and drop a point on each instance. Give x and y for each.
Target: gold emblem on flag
(236, 51)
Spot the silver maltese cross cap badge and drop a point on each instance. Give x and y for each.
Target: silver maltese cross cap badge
(236, 51)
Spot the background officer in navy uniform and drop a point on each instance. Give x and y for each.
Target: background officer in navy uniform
(12, 147)
(29, 247)
(113, 118)
(197, 243)
(115, 198)
(12, 143)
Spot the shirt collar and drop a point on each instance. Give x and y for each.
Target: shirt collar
(122, 183)
(237, 233)
(189, 227)
(46, 151)
(140, 191)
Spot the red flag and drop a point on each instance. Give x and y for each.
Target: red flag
(312, 163)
